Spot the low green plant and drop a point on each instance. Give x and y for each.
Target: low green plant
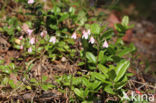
(83, 40)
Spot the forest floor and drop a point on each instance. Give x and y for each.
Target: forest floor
(143, 35)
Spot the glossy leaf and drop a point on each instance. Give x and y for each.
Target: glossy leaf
(44, 78)
(100, 77)
(126, 50)
(81, 63)
(12, 84)
(120, 84)
(121, 69)
(90, 56)
(101, 58)
(109, 89)
(79, 92)
(120, 28)
(102, 68)
(64, 17)
(95, 28)
(95, 85)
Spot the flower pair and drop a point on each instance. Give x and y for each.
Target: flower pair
(84, 36)
(32, 41)
(105, 44)
(52, 39)
(91, 40)
(21, 38)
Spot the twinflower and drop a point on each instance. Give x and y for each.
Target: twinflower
(105, 44)
(74, 36)
(92, 40)
(30, 1)
(53, 39)
(86, 34)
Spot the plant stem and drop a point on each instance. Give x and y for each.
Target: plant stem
(98, 48)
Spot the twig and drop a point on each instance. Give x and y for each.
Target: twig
(145, 84)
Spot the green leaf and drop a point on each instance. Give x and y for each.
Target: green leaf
(125, 21)
(7, 70)
(81, 63)
(95, 85)
(129, 74)
(99, 76)
(95, 28)
(87, 26)
(86, 92)
(103, 69)
(72, 10)
(33, 80)
(56, 10)
(101, 58)
(111, 74)
(126, 50)
(12, 84)
(107, 34)
(63, 17)
(12, 66)
(92, 67)
(121, 69)
(44, 87)
(53, 27)
(81, 18)
(1, 62)
(78, 92)
(86, 82)
(5, 81)
(120, 84)
(76, 80)
(28, 87)
(44, 78)
(87, 101)
(29, 65)
(90, 56)
(120, 28)
(109, 89)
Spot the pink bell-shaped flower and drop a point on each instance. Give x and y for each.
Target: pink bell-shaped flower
(30, 1)
(105, 44)
(29, 31)
(21, 47)
(29, 50)
(53, 39)
(74, 36)
(92, 40)
(32, 41)
(43, 33)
